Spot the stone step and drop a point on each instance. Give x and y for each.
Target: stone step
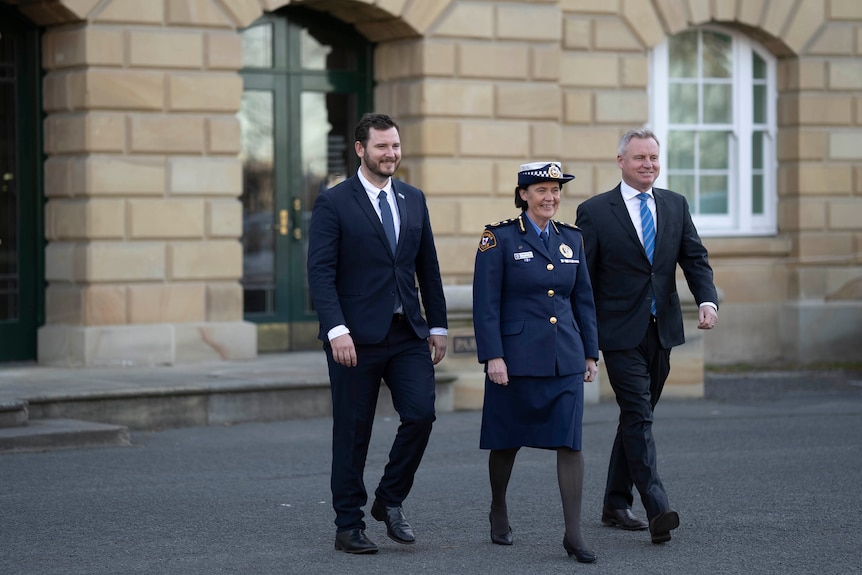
(13, 413)
(150, 409)
(190, 406)
(51, 434)
(294, 386)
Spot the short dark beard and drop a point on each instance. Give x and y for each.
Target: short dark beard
(374, 167)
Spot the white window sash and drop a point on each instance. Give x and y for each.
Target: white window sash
(739, 220)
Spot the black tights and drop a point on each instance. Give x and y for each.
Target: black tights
(500, 462)
(570, 476)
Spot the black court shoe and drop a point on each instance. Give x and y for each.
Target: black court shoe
(582, 555)
(504, 539)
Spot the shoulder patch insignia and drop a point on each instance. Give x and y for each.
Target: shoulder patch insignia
(488, 241)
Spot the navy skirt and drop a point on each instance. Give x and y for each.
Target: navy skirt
(544, 412)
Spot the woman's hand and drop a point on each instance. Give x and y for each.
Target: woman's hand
(497, 371)
(592, 370)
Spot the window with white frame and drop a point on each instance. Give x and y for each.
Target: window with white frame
(713, 110)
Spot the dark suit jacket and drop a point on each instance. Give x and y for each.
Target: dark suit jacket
(352, 273)
(622, 276)
(533, 306)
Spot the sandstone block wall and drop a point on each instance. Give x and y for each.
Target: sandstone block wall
(142, 175)
(142, 180)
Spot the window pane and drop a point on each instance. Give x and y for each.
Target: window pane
(257, 46)
(315, 130)
(757, 194)
(680, 150)
(717, 108)
(717, 61)
(683, 55)
(325, 49)
(757, 150)
(683, 184)
(313, 54)
(759, 98)
(258, 201)
(759, 66)
(683, 103)
(714, 150)
(10, 206)
(713, 195)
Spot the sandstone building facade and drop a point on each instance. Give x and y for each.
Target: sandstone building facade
(159, 157)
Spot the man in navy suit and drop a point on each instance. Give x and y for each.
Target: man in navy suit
(635, 236)
(369, 237)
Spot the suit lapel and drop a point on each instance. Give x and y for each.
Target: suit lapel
(361, 197)
(662, 217)
(401, 200)
(621, 212)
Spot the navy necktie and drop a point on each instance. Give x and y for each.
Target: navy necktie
(544, 236)
(388, 221)
(648, 227)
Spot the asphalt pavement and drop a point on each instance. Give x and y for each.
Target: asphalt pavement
(764, 485)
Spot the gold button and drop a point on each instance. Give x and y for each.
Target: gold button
(550, 293)
(550, 267)
(553, 320)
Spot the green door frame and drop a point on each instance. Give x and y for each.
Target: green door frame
(292, 323)
(19, 334)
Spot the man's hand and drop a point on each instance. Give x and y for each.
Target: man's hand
(707, 316)
(343, 350)
(437, 346)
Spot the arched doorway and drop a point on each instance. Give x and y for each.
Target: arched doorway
(21, 253)
(308, 78)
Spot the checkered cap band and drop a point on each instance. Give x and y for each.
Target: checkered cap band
(542, 172)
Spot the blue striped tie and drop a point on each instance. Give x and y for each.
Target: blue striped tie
(648, 226)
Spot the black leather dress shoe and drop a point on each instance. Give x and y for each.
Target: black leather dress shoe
(397, 527)
(354, 541)
(661, 525)
(624, 519)
(500, 539)
(582, 555)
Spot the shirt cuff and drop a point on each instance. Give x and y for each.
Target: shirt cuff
(439, 331)
(337, 331)
(710, 304)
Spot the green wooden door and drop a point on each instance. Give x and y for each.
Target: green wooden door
(307, 80)
(21, 255)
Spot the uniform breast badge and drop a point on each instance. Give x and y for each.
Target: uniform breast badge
(566, 251)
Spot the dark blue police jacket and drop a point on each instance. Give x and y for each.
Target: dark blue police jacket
(533, 306)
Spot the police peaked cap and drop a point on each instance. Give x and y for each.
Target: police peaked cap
(537, 172)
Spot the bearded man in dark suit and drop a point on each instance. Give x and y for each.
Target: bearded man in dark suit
(635, 236)
(370, 243)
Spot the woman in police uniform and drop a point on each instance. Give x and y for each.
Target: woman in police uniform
(535, 325)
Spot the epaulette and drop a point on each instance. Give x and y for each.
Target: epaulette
(566, 225)
(503, 223)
